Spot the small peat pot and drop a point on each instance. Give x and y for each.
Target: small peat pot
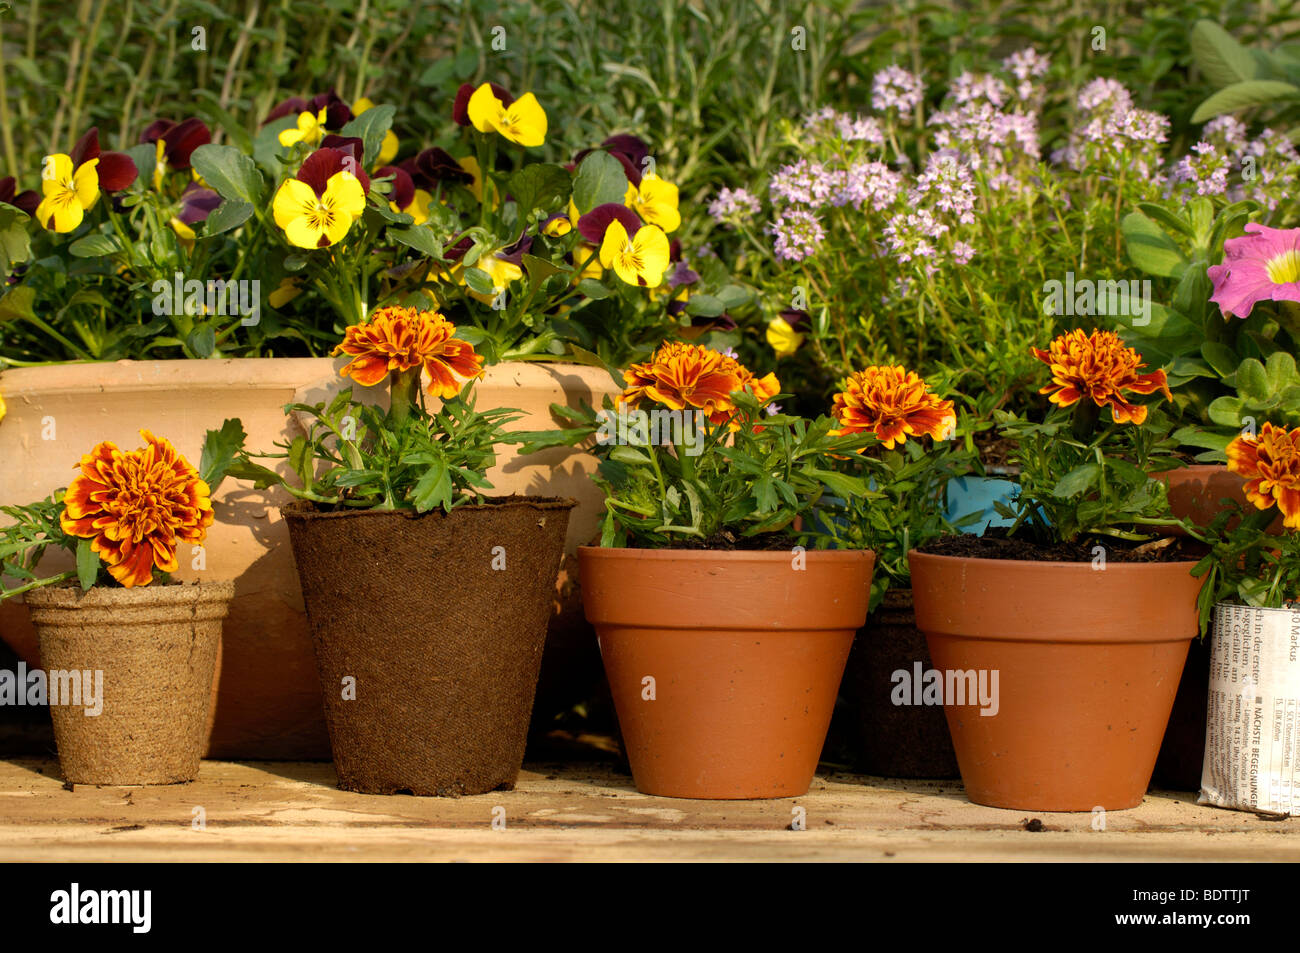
(428, 631)
(724, 666)
(1080, 664)
(899, 736)
(129, 677)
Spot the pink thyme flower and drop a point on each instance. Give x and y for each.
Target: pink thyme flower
(895, 88)
(1262, 265)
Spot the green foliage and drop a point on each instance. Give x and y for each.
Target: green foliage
(33, 530)
(1083, 478)
(698, 484)
(904, 506)
(1246, 563)
(357, 456)
(1227, 373)
(1247, 78)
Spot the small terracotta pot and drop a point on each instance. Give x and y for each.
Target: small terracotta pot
(1196, 491)
(724, 666)
(1087, 664)
(895, 741)
(428, 631)
(157, 648)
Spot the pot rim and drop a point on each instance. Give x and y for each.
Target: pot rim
(71, 376)
(96, 597)
(305, 509)
(726, 555)
(1055, 565)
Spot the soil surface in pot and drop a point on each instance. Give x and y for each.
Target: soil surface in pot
(995, 544)
(733, 542)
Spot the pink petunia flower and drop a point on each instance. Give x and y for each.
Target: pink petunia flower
(1262, 265)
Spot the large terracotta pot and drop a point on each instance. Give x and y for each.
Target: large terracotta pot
(1087, 664)
(724, 666)
(268, 702)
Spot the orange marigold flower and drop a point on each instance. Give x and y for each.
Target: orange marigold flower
(1270, 463)
(398, 339)
(1102, 367)
(894, 404)
(680, 376)
(763, 388)
(137, 507)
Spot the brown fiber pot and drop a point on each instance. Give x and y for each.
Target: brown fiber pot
(268, 701)
(895, 741)
(157, 648)
(724, 666)
(434, 625)
(1087, 660)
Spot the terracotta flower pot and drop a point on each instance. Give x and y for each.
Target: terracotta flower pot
(1196, 491)
(1087, 664)
(428, 633)
(724, 666)
(895, 740)
(267, 698)
(156, 647)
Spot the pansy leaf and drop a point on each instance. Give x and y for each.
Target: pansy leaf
(479, 281)
(94, 246)
(229, 215)
(15, 239)
(593, 289)
(230, 172)
(371, 127)
(419, 237)
(539, 186)
(599, 179)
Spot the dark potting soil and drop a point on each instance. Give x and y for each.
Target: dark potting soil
(995, 544)
(729, 541)
(994, 450)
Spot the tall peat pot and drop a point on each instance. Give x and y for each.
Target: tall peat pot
(895, 740)
(724, 666)
(1086, 661)
(428, 631)
(147, 656)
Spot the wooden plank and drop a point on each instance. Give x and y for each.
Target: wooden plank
(265, 811)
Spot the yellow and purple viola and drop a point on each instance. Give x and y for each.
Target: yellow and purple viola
(316, 208)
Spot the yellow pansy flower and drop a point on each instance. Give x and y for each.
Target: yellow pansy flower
(315, 221)
(523, 121)
(311, 130)
(655, 201)
(69, 193)
(783, 338)
(639, 259)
